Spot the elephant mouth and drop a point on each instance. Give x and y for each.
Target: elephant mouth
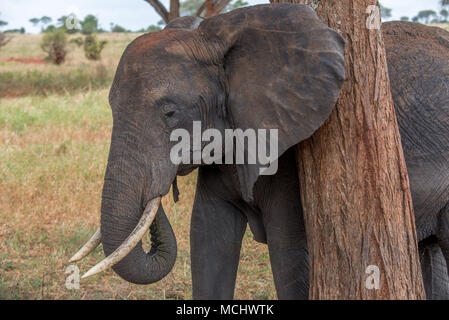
(126, 247)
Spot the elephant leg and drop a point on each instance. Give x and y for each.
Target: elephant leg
(216, 233)
(279, 202)
(434, 271)
(286, 236)
(287, 244)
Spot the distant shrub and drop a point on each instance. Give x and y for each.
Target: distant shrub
(21, 30)
(117, 28)
(153, 28)
(93, 47)
(78, 41)
(54, 43)
(3, 39)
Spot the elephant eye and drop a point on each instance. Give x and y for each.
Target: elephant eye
(169, 110)
(169, 113)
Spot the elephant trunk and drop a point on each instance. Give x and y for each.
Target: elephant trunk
(122, 213)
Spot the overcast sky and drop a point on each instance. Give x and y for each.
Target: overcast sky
(137, 14)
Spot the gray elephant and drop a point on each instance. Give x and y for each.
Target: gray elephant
(418, 64)
(274, 66)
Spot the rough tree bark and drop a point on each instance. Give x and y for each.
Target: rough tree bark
(354, 183)
(174, 10)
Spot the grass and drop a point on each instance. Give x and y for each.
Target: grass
(444, 26)
(28, 46)
(37, 82)
(76, 74)
(53, 153)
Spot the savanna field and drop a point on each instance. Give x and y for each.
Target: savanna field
(55, 126)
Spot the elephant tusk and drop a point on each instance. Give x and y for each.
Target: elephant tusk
(131, 241)
(90, 245)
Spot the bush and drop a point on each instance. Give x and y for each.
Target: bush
(117, 28)
(3, 39)
(78, 41)
(54, 44)
(93, 47)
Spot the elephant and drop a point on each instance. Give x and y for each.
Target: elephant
(271, 66)
(418, 65)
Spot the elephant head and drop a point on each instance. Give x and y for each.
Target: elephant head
(273, 66)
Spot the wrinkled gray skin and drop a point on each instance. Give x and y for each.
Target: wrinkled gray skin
(267, 66)
(418, 63)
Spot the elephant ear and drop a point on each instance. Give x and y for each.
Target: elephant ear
(284, 69)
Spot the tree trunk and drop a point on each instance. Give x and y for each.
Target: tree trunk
(354, 183)
(174, 10)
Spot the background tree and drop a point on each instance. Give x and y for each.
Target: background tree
(404, 18)
(20, 30)
(444, 15)
(3, 23)
(117, 28)
(43, 21)
(61, 23)
(235, 5)
(385, 12)
(426, 15)
(153, 28)
(89, 25)
(354, 184)
(190, 7)
(35, 21)
(3, 38)
(61, 20)
(203, 8)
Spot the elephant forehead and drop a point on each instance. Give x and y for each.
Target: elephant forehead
(139, 91)
(161, 40)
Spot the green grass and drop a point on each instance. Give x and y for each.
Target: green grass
(37, 82)
(89, 110)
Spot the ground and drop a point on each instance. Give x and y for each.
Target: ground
(54, 141)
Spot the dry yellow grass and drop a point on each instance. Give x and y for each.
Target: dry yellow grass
(28, 45)
(444, 26)
(76, 73)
